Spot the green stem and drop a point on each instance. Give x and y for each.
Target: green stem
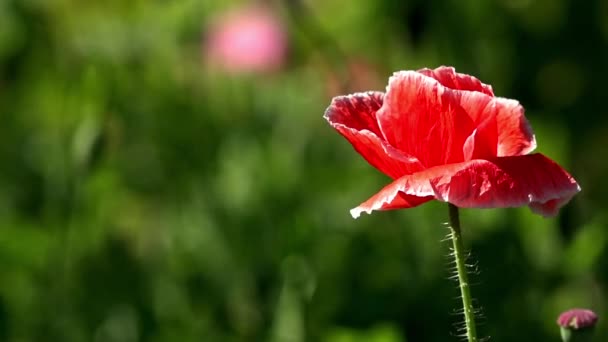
(461, 269)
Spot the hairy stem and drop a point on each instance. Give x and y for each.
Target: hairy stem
(463, 281)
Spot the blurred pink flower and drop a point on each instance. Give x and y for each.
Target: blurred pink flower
(247, 39)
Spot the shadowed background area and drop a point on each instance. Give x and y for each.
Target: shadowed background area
(166, 173)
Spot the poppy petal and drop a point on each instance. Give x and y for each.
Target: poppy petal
(502, 124)
(482, 143)
(388, 199)
(515, 135)
(356, 111)
(425, 119)
(354, 116)
(532, 180)
(449, 78)
(502, 129)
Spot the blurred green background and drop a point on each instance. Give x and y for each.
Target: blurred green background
(148, 193)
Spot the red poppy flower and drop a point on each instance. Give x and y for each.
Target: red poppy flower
(444, 135)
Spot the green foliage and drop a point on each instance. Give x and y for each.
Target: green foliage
(146, 196)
